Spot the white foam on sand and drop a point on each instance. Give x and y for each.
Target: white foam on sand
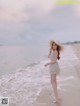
(25, 85)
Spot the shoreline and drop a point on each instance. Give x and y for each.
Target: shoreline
(32, 85)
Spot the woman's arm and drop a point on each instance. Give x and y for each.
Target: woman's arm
(49, 52)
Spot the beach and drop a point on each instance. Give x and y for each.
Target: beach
(31, 86)
(26, 29)
(77, 51)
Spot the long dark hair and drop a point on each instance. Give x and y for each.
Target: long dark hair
(58, 50)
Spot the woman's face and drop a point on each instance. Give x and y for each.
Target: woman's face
(54, 46)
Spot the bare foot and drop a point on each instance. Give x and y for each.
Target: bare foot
(56, 100)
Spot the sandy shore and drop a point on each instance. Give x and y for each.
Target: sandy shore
(68, 87)
(76, 47)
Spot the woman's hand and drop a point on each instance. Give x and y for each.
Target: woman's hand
(46, 64)
(52, 62)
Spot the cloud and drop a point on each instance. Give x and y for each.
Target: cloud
(77, 10)
(19, 10)
(36, 21)
(11, 10)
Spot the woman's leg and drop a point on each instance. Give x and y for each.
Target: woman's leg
(54, 85)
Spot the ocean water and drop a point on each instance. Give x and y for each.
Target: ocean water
(24, 85)
(15, 57)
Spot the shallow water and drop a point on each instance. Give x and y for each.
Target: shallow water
(15, 57)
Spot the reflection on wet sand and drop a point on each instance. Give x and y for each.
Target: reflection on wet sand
(45, 98)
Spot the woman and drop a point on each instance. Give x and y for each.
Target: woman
(54, 55)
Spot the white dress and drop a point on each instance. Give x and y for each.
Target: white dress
(54, 68)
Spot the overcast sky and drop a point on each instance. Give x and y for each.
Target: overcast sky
(35, 22)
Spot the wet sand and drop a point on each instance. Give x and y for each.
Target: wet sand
(68, 87)
(76, 47)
